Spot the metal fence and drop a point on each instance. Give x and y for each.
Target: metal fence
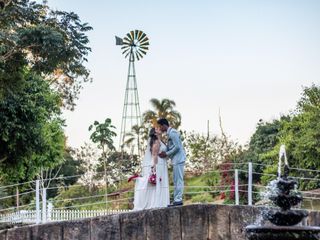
(41, 211)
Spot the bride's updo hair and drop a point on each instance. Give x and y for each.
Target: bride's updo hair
(153, 137)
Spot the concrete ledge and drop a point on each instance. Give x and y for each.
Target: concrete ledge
(192, 222)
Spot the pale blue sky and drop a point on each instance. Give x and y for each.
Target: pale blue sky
(248, 58)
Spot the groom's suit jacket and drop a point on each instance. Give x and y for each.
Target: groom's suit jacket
(175, 149)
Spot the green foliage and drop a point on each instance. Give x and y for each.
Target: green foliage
(202, 198)
(162, 109)
(66, 195)
(301, 136)
(87, 156)
(31, 134)
(50, 43)
(269, 171)
(264, 139)
(300, 132)
(201, 185)
(213, 179)
(205, 152)
(69, 167)
(103, 134)
(81, 198)
(139, 135)
(42, 55)
(202, 151)
(119, 165)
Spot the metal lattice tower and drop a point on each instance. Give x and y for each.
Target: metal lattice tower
(134, 45)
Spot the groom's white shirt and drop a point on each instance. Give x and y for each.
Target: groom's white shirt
(175, 149)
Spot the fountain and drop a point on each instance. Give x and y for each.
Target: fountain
(284, 194)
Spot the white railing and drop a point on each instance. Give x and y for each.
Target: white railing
(30, 216)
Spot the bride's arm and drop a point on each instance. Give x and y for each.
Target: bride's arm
(155, 152)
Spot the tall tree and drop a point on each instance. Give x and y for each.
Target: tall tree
(88, 157)
(31, 136)
(103, 135)
(163, 109)
(301, 136)
(50, 43)
(299, 131)
(42, 56)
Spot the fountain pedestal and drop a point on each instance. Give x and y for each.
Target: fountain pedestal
(283, 193)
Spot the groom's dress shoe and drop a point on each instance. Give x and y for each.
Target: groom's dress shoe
(176, 204)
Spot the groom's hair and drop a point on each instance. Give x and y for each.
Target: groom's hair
(163, 121)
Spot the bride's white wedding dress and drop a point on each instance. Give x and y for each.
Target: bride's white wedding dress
(147, 195)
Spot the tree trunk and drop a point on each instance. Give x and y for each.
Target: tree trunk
(105, 175)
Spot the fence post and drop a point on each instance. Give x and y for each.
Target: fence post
(49, 211)
(37, 201)
(236, 185)
(44, 205)
(250, 183)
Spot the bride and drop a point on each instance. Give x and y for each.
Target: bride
(146, 194)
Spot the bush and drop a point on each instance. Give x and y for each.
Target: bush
(202, 198)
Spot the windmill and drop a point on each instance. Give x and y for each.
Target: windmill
(134, 46)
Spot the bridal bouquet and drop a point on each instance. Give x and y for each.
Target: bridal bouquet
(153, 178)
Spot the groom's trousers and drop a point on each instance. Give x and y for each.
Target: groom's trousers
(178, 173)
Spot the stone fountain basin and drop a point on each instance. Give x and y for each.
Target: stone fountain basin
(285, 218)
(286, 185)
(282, 233)
(285, 201)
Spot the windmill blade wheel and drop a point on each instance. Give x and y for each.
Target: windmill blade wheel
(137, 43)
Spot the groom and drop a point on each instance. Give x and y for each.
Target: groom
(176, 152)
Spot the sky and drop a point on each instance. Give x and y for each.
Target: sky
(248, 58)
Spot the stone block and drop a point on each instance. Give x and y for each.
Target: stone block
(105, 228)
(50, 231)
(3, 235)
(133, 225)
(219, 222)
(164, 224)
(20, 233)
(76, 230)
(194, 222)
(240, 217)
(314, 218)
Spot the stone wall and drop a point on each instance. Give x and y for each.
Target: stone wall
(192, 222)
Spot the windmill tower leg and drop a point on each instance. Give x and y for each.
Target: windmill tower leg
(131, 115)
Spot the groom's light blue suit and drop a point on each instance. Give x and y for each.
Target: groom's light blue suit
(176, 152)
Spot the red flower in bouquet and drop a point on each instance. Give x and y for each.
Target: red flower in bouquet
(153, 179)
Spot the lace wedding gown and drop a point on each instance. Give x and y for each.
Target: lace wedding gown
(147, 195)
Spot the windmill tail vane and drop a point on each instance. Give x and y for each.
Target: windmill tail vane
(119, 41)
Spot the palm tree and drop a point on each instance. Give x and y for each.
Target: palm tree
(139, 134)
(163, 109)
